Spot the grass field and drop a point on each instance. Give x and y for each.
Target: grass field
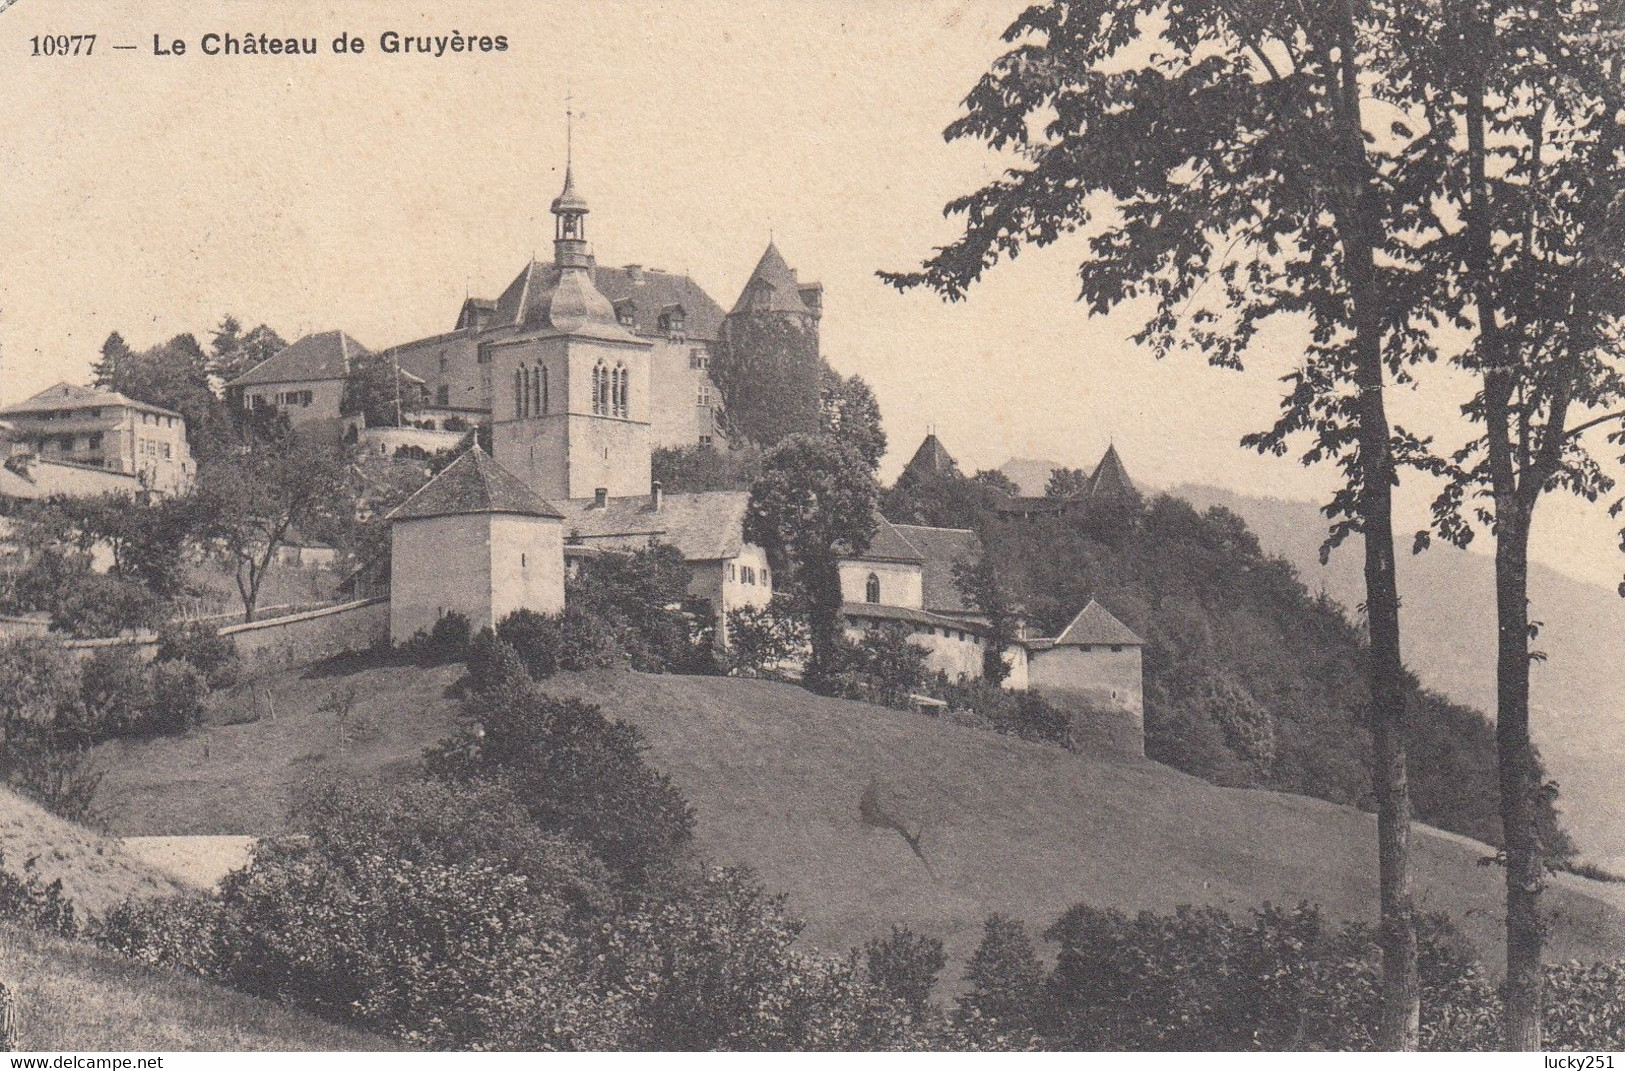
(776, 776)
(71, 996)
(95, 871)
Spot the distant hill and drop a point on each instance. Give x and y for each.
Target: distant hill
(776, 776)
(1578, 694)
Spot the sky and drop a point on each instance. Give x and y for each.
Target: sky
(153, 194)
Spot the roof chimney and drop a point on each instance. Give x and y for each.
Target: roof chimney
(600, 497)
(655, 495)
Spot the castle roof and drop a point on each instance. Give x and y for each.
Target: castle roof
(1110, 477)
(321, 356)
(773, 286)
(563, 299)
(703, 525)
(66, 395)
(942, 549)
(651, 291)
(931, 459)
(472, 484)
(1095, 626)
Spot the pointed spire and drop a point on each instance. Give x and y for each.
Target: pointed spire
(773, 286)
(1111, 477)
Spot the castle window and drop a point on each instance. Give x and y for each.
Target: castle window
(767, 578)
(442, 360)
(618, 392)
(536, 390)
(705, 440)
(871, 590)
(730, 571)
(600, 390)
(542, 404)
(518, 394)
(442, 395)
(483, 354)
(705, 396)
(698, 358)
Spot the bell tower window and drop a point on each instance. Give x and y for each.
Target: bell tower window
(871, 590)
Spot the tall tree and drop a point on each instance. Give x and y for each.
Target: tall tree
(849, 411)
(814, 502)
(115, 360)
(232, 351)
(1528, 262)
(1066, 483)
(254, 498)
(1234, 145)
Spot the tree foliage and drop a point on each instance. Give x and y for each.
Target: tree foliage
(814, 503)
(848, 411)
(766, 365)
(254, 498)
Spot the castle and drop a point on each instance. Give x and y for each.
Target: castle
(581, 371)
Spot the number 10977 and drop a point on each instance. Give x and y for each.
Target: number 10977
(64, 44)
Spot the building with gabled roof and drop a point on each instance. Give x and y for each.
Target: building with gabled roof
(304, 381)
(475, 541)
(706, 527)
(88, 427)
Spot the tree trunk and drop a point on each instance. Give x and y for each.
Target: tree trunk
(1520, 781)
(1401, 988)
(821, 577)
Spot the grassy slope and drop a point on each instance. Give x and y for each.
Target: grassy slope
(95, 871)
(72, 996)
(776, 775)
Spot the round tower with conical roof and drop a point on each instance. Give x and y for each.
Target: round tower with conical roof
(768, 364)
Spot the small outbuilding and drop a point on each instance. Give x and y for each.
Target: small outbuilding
(474, 541)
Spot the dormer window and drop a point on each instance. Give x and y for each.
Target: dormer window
(671, 322)
(626, 313)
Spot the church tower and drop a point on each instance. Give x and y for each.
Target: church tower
(570, 386)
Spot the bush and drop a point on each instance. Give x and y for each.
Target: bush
(45, 728)
(176, 932)
(178, 691)
(638, 600)
(574, 771)
(115, 686)
(535, 639)
(1016, 713)
(446, 642)
(27, 900)
(761, 639)
(1004, 981)
(576, 640)
(905, 965)
(717, 968)
(202, 645)
(99, 604)
(1199, 980)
